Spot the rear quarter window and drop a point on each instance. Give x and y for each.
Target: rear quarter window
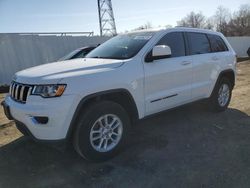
(198, 43)
(217, 43)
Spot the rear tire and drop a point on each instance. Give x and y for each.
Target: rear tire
(101, 131)
(221, 95)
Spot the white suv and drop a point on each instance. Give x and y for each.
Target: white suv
(94, 101)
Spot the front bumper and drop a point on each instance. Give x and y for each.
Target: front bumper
(58, 110)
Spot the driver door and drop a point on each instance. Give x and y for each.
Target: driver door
(168, 80)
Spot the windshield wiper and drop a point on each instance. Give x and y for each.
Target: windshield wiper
(100, 57)
(96, 57)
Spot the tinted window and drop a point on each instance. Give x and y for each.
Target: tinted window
(69, 56)
(176, 42)
(82, 53)
(217, 44)
(198, 43)
(79, 55)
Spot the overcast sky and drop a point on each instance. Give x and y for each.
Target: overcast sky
(82, 15)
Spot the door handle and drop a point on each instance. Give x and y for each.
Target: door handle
(185, 63)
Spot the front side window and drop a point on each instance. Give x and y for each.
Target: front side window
(198, 43)
(176, 43)
(122, 46)
(217, 44)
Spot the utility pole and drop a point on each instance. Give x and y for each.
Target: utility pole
(106, 18)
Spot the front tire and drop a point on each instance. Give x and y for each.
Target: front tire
(221, 95)
(101, 131)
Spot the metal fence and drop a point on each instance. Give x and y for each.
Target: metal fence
(240, 45)
(20, 51)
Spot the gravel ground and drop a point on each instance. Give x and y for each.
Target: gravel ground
(185, 147)
(8, 131)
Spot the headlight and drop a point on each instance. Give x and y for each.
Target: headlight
(49, 90)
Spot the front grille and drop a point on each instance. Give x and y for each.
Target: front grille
(20, 92)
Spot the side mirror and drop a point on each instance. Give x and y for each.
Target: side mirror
(158, 52)
(161, 52)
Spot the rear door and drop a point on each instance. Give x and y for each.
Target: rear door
(220, 54)
(168, 81)
(204, 63)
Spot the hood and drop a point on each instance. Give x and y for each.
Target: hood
(54, 72)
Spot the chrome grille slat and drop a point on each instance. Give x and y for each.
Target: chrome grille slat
(20, 92)
(16, 91)
(12, 87)
(29, 91)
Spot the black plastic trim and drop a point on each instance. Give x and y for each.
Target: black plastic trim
(170, 109)
(94, 95)
(41, 119)
(226, 71)
(164, 98)
(220, 76)
(7, 110)
(26, 132)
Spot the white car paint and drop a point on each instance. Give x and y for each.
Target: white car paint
(155, 87)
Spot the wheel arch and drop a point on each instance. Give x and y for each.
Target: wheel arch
(229, 73)
(120, 96)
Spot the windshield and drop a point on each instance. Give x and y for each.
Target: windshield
(122, 46)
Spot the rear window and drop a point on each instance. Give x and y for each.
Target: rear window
(217, 44)
(198, 43)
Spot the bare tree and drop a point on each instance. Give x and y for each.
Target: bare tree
(244, 16)
(193, 19)
(221, 19)
(209, 24)
(240, 24)
(147, 25)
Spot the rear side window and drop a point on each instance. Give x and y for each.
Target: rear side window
(175, 41)
(198, 43)
(217, 44)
